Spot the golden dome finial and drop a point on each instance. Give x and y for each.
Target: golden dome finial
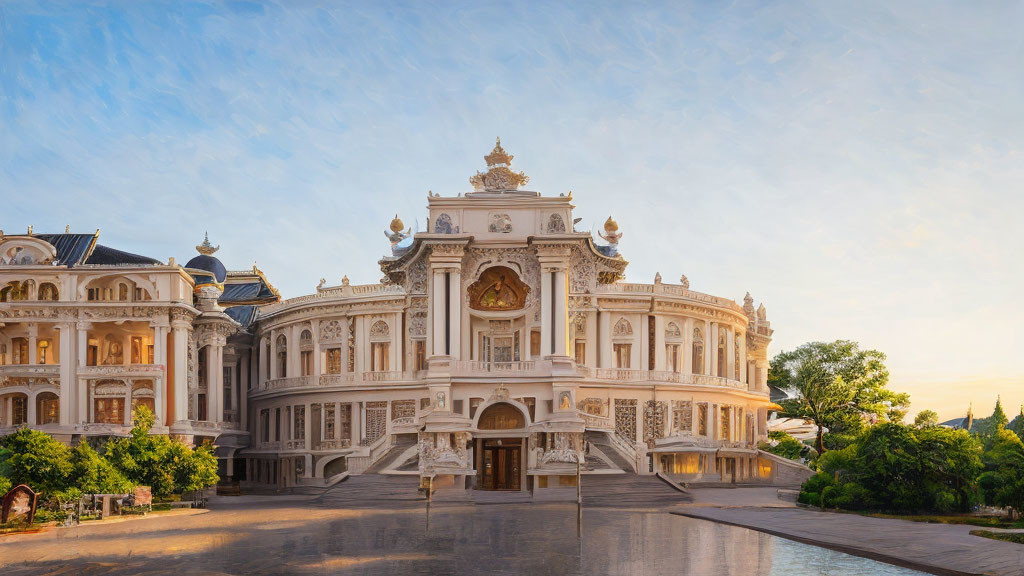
(397, 225)
(206, 248)
(611, 225)
(499, 177)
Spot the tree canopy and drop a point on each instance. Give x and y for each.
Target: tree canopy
(837, 386)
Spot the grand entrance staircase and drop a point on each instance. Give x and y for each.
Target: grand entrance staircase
(395, 456)
(613, 458)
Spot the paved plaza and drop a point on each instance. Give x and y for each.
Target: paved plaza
(378, 525)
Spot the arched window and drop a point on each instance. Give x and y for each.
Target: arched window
(443, 225)
(673, 346)
(380, 346)
(282, 356)
(698, 351)
(47, 408)
(122, 292)
(49, 292)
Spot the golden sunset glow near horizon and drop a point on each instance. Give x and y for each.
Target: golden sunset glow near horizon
(857, 168)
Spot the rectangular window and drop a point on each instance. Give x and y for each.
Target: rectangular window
(105, 410)
(623, 352)
(265, 425)
(201, 401)
(581, 352)
(379, 352)
(300, 422)
(306, 359)
(345, 421)
(702, 419)
(136, 349)
(726, 411)
(19, 406)
(228, 377)
(334, 360)
(682, 416)
(421, 355)
(277, 424)
(672, 357)
(329, 426)
(150, 355)
(534, 344)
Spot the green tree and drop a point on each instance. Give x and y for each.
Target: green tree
(164, 464)
(899, 468)
(93, 474)
(1002, 483)
(1018, 424)
(787, 446)
(837, 386)
(926, 418)
(37, 459)
(5, 484)
(991, 426)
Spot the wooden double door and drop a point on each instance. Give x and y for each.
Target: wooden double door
(500, 464)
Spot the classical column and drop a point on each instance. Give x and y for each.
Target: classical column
(660, 354)
(751, 375)
(179, 332)
(293, 351)
(561, 294)
(83, 389)
(454, 313)
(730, 353)
(362, 344)
(546, 328)
(743, 357)
(160, 384)
(604, 335)
(317, 361)
(243, 390)
(67, 367)
(438, 300)
(31, 414)
(711, 349)
(33, 344)
(687, 355)
(591, 352)
(217, 413)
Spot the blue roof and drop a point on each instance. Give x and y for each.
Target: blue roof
(209, 264)
(244, 315)
(75, 249)
(71, 248)
(109, 256)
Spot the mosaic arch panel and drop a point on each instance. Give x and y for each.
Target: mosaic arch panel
(501, 416)
(498, 288)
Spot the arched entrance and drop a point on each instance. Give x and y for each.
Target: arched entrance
(500, 447)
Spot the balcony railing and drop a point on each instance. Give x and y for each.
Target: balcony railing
(30, 370)
(516, 368)
(529, 369)
(137, 370)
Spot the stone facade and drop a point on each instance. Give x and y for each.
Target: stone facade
(501, 350)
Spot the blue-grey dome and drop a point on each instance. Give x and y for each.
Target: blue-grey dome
(209, 264)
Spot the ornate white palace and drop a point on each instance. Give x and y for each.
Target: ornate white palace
(501, 349)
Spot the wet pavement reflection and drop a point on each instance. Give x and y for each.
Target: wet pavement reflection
(304, 538)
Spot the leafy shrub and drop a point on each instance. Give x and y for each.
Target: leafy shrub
(37, 459)
(5, 485)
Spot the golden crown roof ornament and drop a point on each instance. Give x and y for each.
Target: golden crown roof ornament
(206, 249)
(499, 177)
(396, 235)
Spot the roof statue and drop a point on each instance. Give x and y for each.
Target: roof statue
(762, 313)
(611, 231)
(748, 305)
(396, 235)
(684, 281)
(499, 177)
(206, 248)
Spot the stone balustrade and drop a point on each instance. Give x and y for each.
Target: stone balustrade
(468, 369)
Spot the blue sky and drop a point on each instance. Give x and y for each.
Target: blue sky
(858, 168)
